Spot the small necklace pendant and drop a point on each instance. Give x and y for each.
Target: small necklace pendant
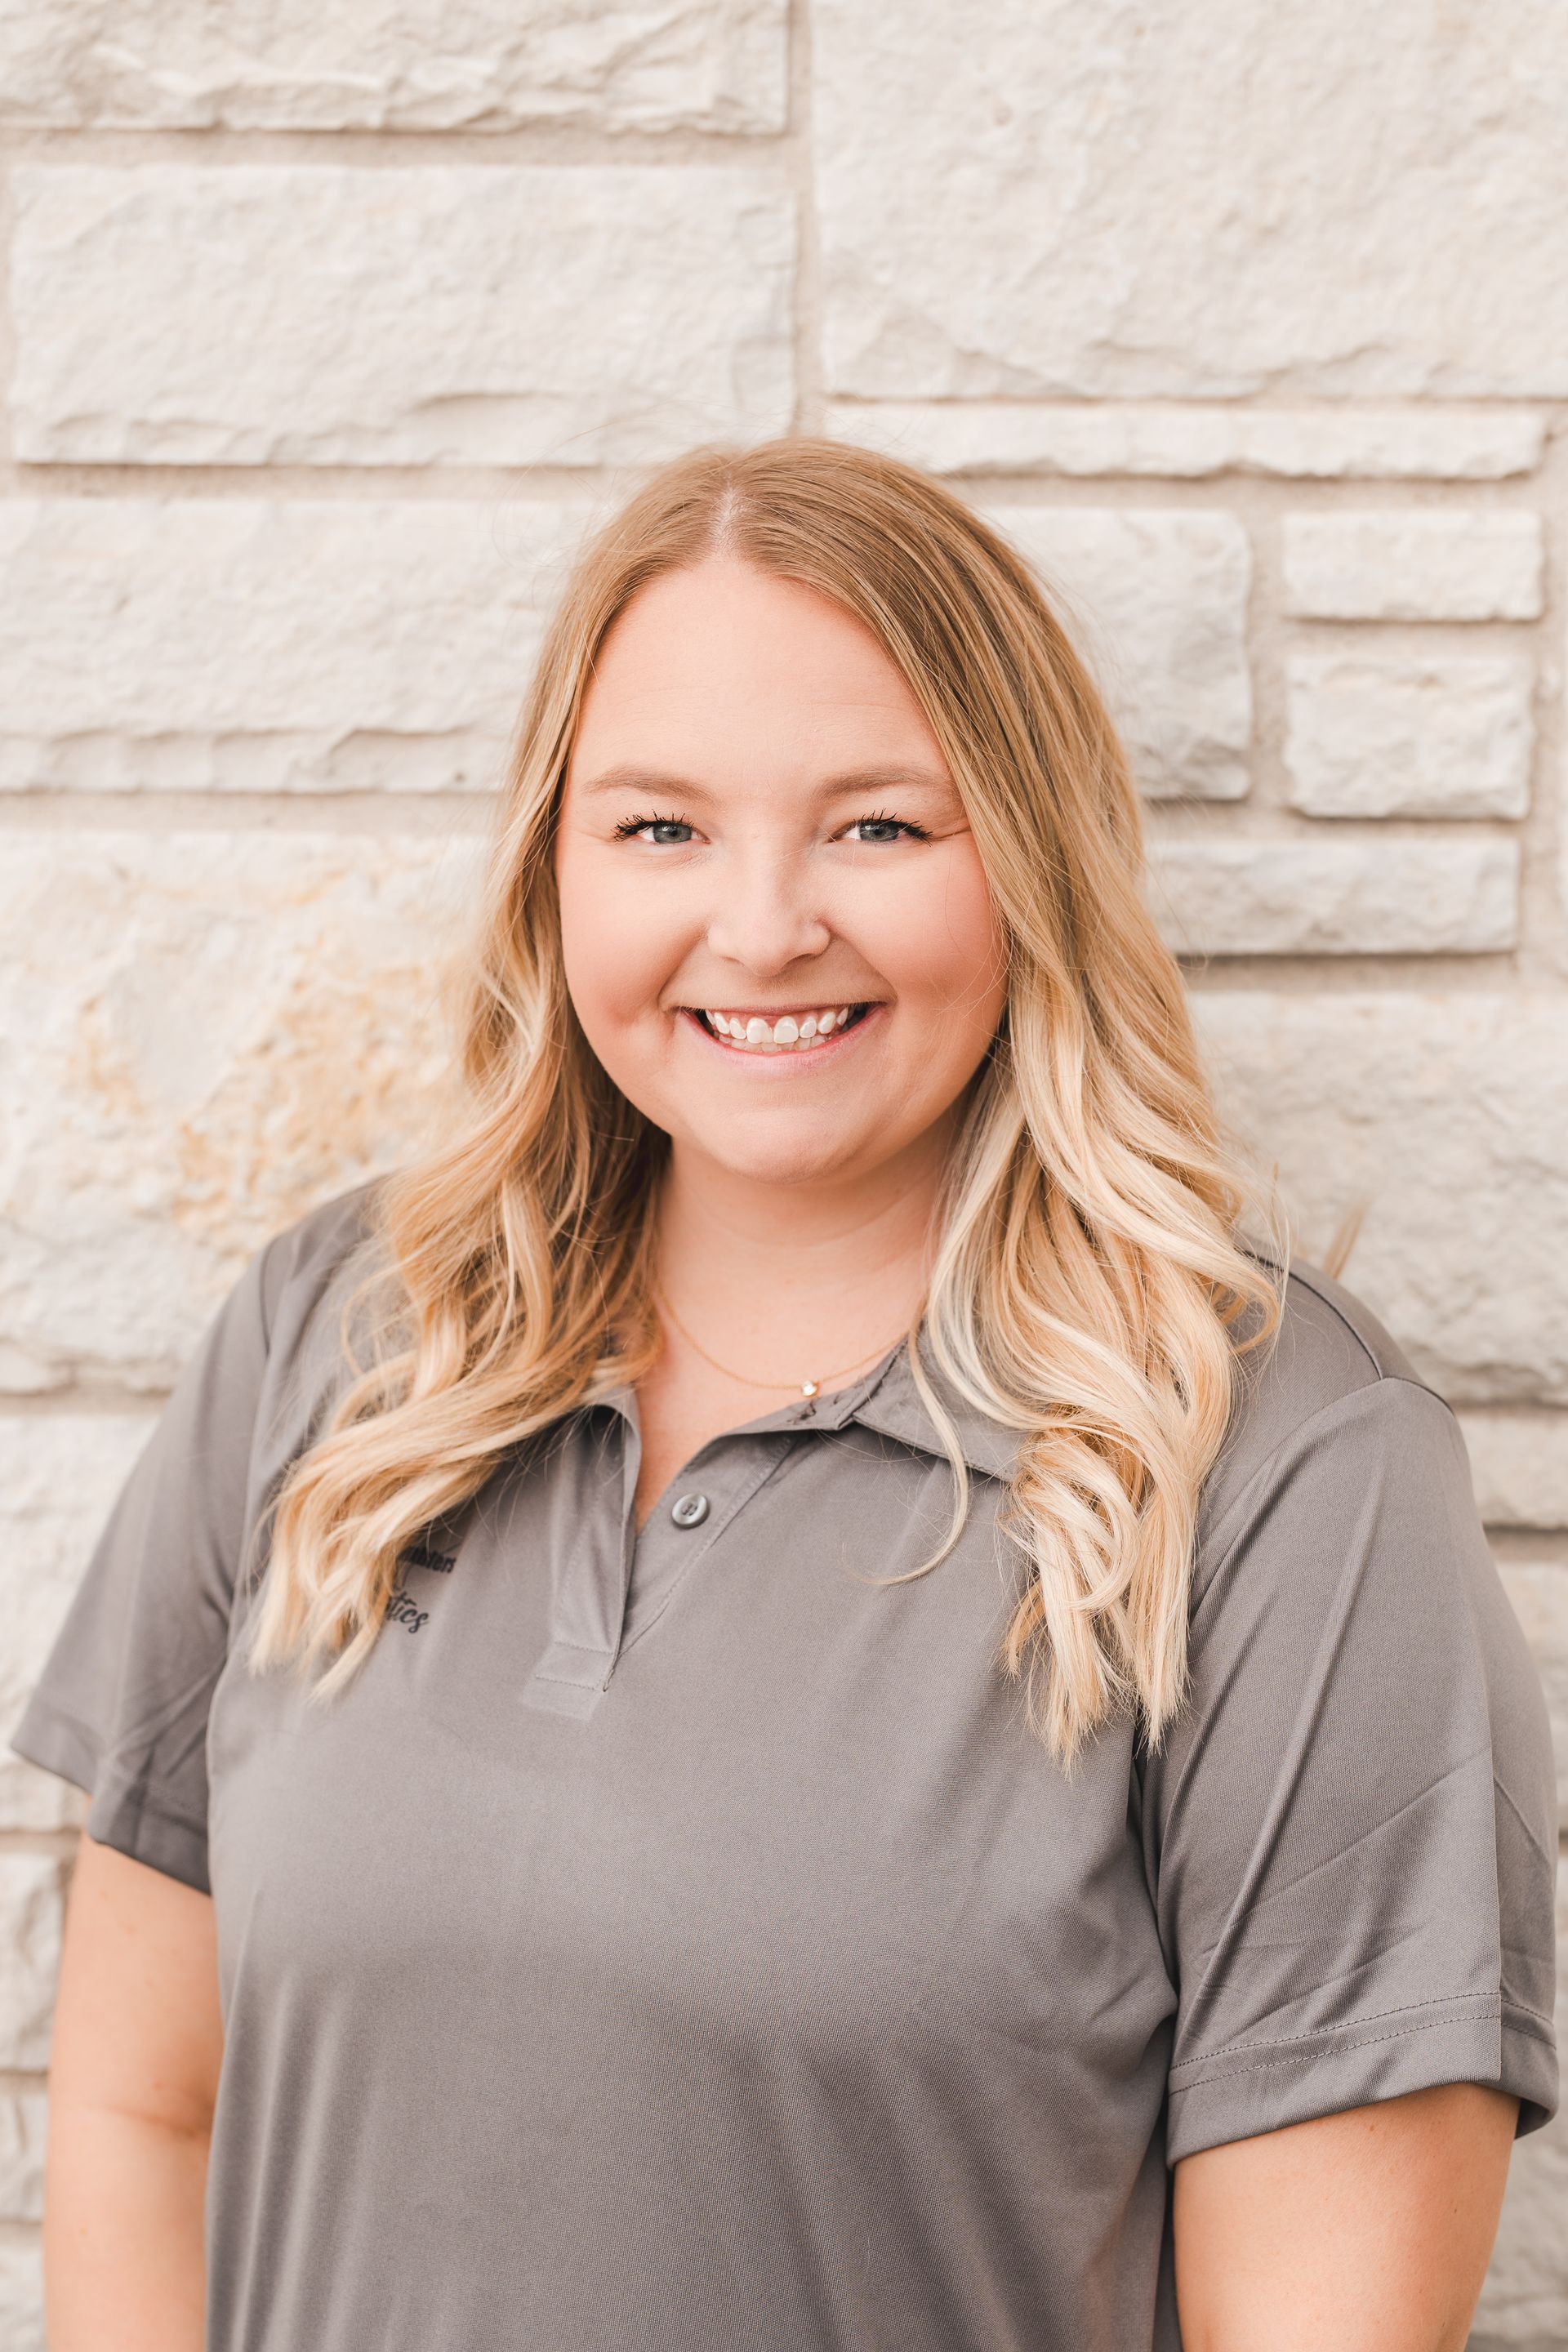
(809, 1387)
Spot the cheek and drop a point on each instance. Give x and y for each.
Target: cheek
(617, 947)
(941, 944)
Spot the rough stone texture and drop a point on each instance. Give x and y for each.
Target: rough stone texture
(31, 1913)
(23, 2122)
(260, 645)
(210, 1031)
(1008, 436)
(427, 314)
(645, 65)
(1374, 734)
(1443, 1117)
(1227, 896)
(1461, 563)
(1539, 1592)
(1520, 1462)
(1159, 603)
(1524, 2302)
(57, 1478)
(21, 2297)
(1138, 200)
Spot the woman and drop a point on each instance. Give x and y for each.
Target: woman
(783, 1700)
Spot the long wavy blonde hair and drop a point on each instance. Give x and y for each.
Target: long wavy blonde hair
(1090, 1291)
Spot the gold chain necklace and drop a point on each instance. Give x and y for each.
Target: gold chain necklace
(807, 1388)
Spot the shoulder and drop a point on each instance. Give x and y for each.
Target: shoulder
(322, 1254)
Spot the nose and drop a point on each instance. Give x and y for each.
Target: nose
(767, 917)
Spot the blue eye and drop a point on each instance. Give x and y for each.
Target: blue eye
(879, 829)
(660, 832)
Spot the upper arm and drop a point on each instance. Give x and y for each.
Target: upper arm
(138, 2027)
(1369, 2230)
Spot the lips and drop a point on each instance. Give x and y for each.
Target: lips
(747, 1030)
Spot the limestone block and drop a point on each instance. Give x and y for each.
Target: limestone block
(23, 2122)
(259, 645)
(1374, 734)
(406, 65)
(209, 1033)
(21, 2295)
(1540, 1596)
(1524, 2301)
(1157, 602)
(1224, 896)
(320, 314)
(1519, 1463)
(1080, 437)
(59, 1474)
(32, 1897)
(1440, 1115)
(1471, 563)
(1296, 197)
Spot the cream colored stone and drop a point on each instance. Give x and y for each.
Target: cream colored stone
(1449, 563)
(24, 2124)
(1442, 1116)
(1524, 2301)
(1221, 895)
(445, 316)
(32, 1894)
(1540, 1596)
(376, 65)
(21, 2295)
(59, 1474)
(1087, 437)
(1519, 1461)
(263, 646)
(1375, 734)
(1292, 196)
(1158, 601)
(208, 1033)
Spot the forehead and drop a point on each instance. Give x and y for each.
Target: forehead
(725, 668)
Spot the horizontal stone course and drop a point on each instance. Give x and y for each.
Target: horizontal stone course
(1130, 202)
(21, 2295)
(1539, 1592)
(32, 1896)
(427, 315)
(1454, 564)
(259, 645)
(376, 65)
(1372, 734)
(23, 2128)
(1157, 602)
(1179, 442)
(1227, 895)
(59, 1474)
(1439, 1115)
(1519, 1461)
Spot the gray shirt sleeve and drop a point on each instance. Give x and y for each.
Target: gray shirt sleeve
(120, 1708)
(1350, 1835)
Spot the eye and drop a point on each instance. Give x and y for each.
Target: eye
(876, 829)
(658, 832)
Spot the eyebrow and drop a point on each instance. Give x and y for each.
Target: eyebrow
(897, 776)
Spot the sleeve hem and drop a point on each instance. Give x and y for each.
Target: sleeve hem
(1237, 2102)
(123, 1814)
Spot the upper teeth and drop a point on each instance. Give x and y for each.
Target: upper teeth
(751, 1030)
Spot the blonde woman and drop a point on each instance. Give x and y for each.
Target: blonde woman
(785, 1700)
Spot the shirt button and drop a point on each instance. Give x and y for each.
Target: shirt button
(689, 1510)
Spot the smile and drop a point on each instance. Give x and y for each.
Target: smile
(783, 1033)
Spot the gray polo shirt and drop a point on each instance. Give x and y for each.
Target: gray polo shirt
(675, 1942)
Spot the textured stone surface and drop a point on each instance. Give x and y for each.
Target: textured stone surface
(261, 645)
(1524, 2302)
(1134, 200)
(1225, 896)
(1470, 563)
(31, 1913)
(23, 2122)
(21, 2297)
(1374, 734)
(1158, 602)
(210, 1031)
(1443, 1117)
(424, 314)
(1519, 1461)
(1009, 436)
(1539, 1592)
(58, 1477)
(648, 64)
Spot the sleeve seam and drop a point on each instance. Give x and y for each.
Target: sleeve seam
(1373, 2017)
(1486, 2012)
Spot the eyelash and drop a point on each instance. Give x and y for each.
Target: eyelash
(632, 825)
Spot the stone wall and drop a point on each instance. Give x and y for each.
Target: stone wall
(328, 330)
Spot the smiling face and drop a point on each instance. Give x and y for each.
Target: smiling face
(778, 936)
